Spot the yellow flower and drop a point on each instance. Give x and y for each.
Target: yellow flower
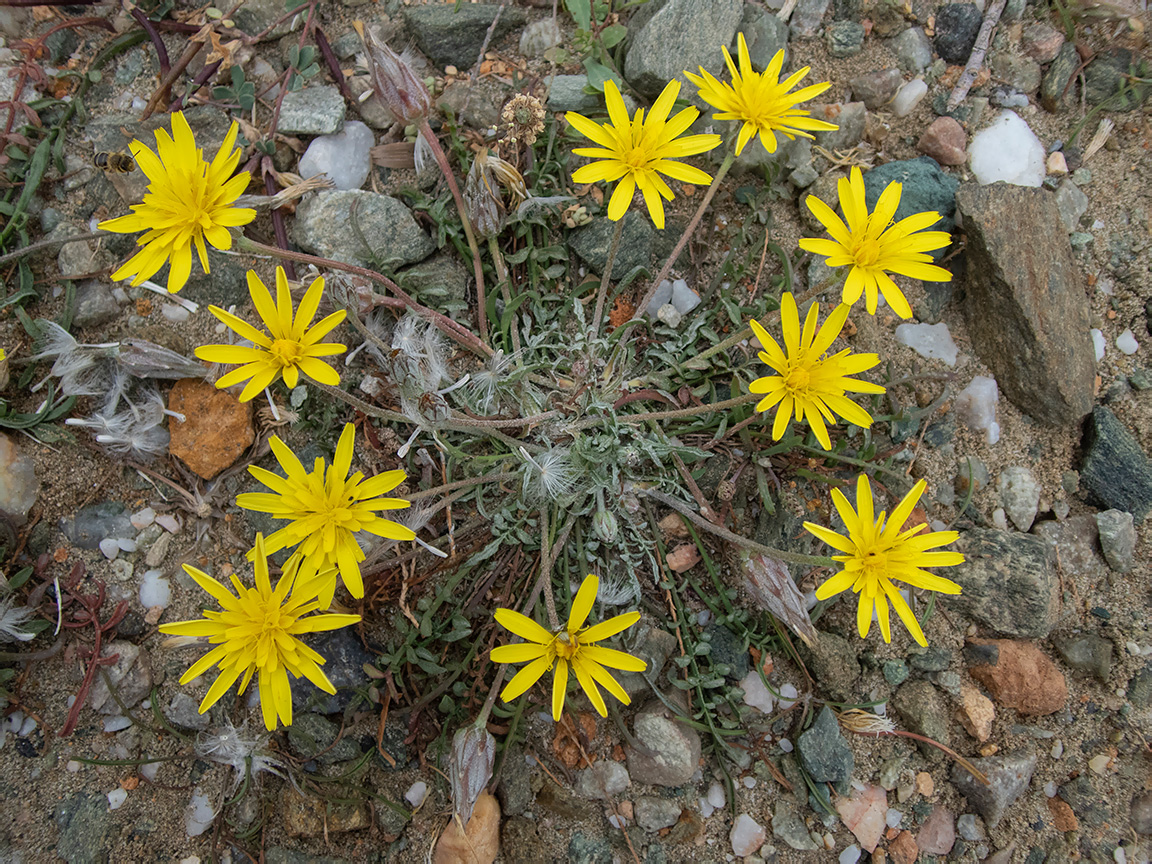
(636, 152)
(327, 508)
(761, 101)
(187, 202)
(877, 552)
(572, 646)
(807, 383)
(256, 632)
(290, 347)
(873, 245)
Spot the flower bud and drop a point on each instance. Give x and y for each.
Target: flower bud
(394, 81)
(470, 767)
(605, 525)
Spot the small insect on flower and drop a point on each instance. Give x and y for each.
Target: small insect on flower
(256, 633)
(761, 101)
(189, 201)
(291, 346)
(871, 244)
(637, 151)
(572, 646)
(878, 551)
(328, 508)
(807, 383)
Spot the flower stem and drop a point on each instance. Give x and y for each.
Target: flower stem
(613, 248)
(453, 330)
(494, 477)
(677, 414)
(477, 265)
(545, 579)
(682, 242)
(506, 288)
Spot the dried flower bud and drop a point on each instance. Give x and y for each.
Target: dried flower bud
(482, 198)
(770, 584)
(394, 81)
(470, 767)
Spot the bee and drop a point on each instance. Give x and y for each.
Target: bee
(114, 163)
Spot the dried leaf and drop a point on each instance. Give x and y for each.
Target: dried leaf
(770, 584)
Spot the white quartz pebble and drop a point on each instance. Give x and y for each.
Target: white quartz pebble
(716, 796)
(1127, 343)
(1008, 150)
(1098, 343)
(110, 546)
(976, 407)
(746, 836)
(908, 97)
(931, 341)
(416, 793)
(787, 696)
(116, 799)
(756, 694)
(199, 815)
(850, 855)
(143, 518)
(154, 589)
(345, 156)
(116, 723)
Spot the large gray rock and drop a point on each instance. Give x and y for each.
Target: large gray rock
(317, 110)
(1026, 309)
(764, 34)
(823, 751)
(665, 752)
(362, 228)
(84, 825)
(1008, 776)
(1115, 471)
(591, 243)
(668, 36)
(1009, 582)
(451, 35)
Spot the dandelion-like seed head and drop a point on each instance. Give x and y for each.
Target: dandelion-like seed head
(878, 550)
(872, 245)
(548, 476)
(188, 203)
(761, 101)
(291, 347)
(485, 384)
(242, 750)
(636, 151)
(808, 384)
(574, 647)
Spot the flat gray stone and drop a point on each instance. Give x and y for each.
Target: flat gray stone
(652, 814)
(667, 37)
(362, 228)
(1117, 539)
(1008, 776)
(315, 110)
(451, 34)
(1115, 470)
(665, 752)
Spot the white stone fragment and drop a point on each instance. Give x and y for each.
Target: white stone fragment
(416, 793)
(748, 782)
(670, 315)
(154, 590)
(618, 822)
(893, 817)
(73, 767)
(168, 522)
(1127, 343)
(143, 518)
(116, 799)
(706, 809)
(116, 723)
(110, 547)
(1007, 150)
(976, 407)
(931, 341)
(755, 693)
(662, 297)
(746, 836)
(126, 545)
(787, 696)
(149, 770)
(1058, 749)
(683, 297)
(345, 156)
(1098, 343)
(716, 796)
(1000, 518)
(785, 744)
(1050, 789)
(908, 97)
(199, 815)
(850, 855)
(175, 314)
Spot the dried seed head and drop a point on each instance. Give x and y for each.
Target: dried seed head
(394, 81)
(482, 196)
(523, 117)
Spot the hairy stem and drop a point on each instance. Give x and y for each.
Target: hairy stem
(677, 414)
(494, 477)
(477, 265)
(613, 248)
(506, 288)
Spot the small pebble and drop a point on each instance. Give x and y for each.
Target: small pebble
(785, 745)
(908, 97)
(168, 522)
(1057, 749)
(116, 799)
(126, 545)
(175, 314)
(110, 547)
(154, 590)
(122, 569)
(670, 315)
(617, 822)
(893, 817)
(1119, 855)
(149, 770)
(1099, 764)
(787, 696)
(143, 518)
(116, 724)
(716, 796)
(1098, 343)
(416, 793)
(1127, 343)
(749, 782)
(850, 855)
(73, 766)
(1050, 789)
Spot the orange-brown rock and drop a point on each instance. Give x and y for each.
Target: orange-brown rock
(1062, 816)
(310, 817)
(478, 843)
(976, 713)
(1018, 675)
(903, 849)
(217, 427)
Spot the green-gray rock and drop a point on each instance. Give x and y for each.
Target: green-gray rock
(1109, 77)
(1055, 92)
(1140, 687)
(440, 282)
(1009, 581)
(1008, 776)
(823, 751)
(313, 737)
(591, 243)
(668, 36)
(789, 827)
(923, 711)
(1115, 470)
(844, 38)
(832, 661)
(924, 186)
(588, 850)
(315, 110)
(933, 659)
(84, 824)
(362, 228)
(1087, 652)
(451, 34)
(895, 672)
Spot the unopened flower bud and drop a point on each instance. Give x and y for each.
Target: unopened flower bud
(605, 525)
(394, 81)
(470, 767)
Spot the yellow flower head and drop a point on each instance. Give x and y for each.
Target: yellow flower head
(327, 508)
(289, 348)
(877, 551)
(761, 101)
(636, 152)
(257, 632)
(573, 646)
(187, 202)
(873, 245)
(806, 382)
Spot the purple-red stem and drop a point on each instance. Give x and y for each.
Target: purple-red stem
(199, 81)
(154, 35)
(278, 218)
